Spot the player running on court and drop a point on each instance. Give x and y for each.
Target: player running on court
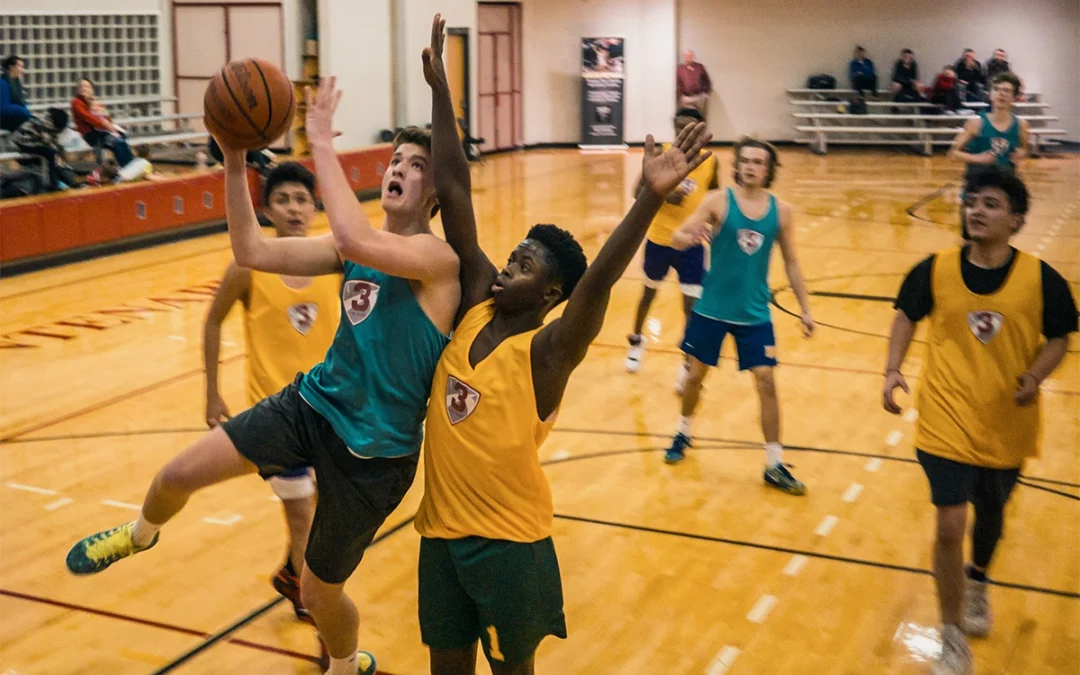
(741, 224)
(999, 324)
(660, 257)
(488, 570)
(357, 416)
(289, 323)
(997, 138)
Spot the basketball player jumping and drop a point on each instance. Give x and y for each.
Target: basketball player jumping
(488, 570)
(357, 416)
(289, 323)
(999, 326)
(996, 138)
(660, 257)
(741, 223)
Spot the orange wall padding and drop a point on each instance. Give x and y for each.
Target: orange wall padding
(40, 225)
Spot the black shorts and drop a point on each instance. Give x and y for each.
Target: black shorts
(282, 433)
(953, 483)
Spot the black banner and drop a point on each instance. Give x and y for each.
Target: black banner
(602, 78)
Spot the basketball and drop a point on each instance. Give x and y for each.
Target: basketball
(248, 104)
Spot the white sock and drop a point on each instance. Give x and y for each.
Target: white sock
(143, 531)
(346, 666)
(774, 454)
(686, 423)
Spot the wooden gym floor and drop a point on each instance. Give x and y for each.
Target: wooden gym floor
(675, 570)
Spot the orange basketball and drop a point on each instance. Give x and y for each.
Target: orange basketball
(248, 104)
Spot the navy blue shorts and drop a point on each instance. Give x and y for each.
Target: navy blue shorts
(704, 337)
(688, 264)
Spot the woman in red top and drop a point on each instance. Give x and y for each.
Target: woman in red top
(98, 130)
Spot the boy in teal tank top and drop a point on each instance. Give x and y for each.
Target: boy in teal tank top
(356, 417)
(998, 137)
(741, 224)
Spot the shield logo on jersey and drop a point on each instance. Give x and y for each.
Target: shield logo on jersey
(359, 298)
(999, 145)
(688, 186)
(750, 241)
(461, 399)
(302, 315)
(985, 325)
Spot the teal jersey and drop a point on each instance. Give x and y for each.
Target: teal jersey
(373, 385)
(736, 288)
(1002, 143)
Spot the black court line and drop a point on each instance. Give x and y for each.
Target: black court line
(755, 444)
(152, 624)
(926, 200)
(254, 614)
(104, 434)
(809, 554)
(853, 296)
(1050, 490)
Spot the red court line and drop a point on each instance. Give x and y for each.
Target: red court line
(110, 401)
(155, 624)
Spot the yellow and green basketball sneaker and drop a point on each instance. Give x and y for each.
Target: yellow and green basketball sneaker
(96, 552)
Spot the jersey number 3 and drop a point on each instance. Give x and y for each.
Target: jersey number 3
(461, 399)
(359, 298)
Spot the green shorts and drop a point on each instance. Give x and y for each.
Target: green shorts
(507, 594)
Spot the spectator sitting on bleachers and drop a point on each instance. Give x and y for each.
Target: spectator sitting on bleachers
(863, 75)
(39, 136)
(945, 91)
(260, 159)
(99, 131)
(13, 110)
(970, 72)
(905, 78)
(997, 65)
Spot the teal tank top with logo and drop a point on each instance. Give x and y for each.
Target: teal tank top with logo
(736, 288)
(1002, 143)
(373, 385)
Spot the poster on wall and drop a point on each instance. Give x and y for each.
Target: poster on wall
(602, 78)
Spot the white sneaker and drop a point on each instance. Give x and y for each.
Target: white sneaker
(635, 353)
(977, 618)
(955, 656)
(680, 379)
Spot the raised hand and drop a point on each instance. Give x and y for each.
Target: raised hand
(663, 171)
(434, 70)
(321, 106)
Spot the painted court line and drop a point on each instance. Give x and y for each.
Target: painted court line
(826, 526)
(894, 438)
(31, 488)
(723, 660)
(121, 505)
(874, 464)
(227, 522)
(63, 501)
(911, 414)
(853, 492)
(795, 565)
(761, 609)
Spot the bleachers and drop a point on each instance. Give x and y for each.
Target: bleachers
(889, 123)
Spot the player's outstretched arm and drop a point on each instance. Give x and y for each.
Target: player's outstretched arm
(235, 286)
(301, 256)
(567, 339)
(453, 184)
(703, 223)
(422, 257)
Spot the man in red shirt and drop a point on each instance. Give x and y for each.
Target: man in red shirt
(98, 130)
(692, 84)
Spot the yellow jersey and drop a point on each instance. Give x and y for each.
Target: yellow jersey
(978, 346)
(670, 217)
(287, 330)
(482, 474)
